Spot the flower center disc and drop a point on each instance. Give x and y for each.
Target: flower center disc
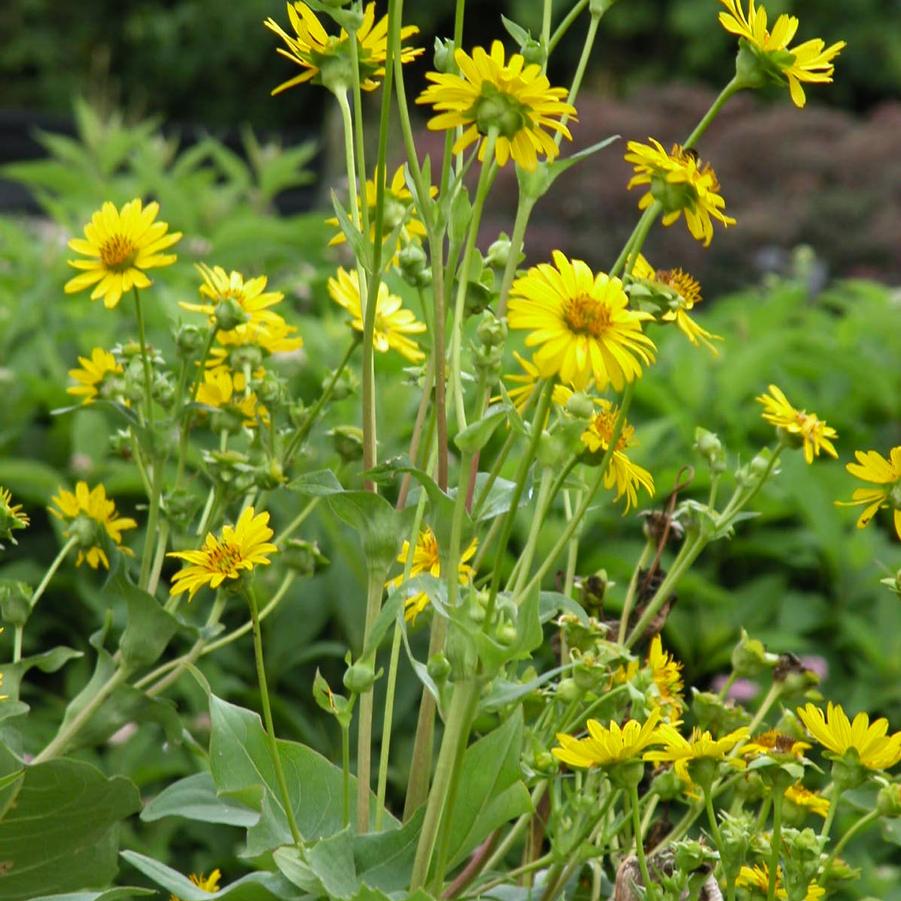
(586, 316)
(495, 109)
(225, 558)
(118, 253)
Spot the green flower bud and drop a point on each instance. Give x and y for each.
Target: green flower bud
(246, 357)
(506, 633)
(668, 786)
(179, 507)
(533, 52)
(888, 801)
(568, 690)
(690, 855)
(491, 331)
(499, 252)
(443, 59)
(15, 601)
(581, 406)
(229, 314)
(270, 389)
(189, 339)
(227, 420)
(412, 261)
(736, 831)
(545, 763)
(709, 446)
(348, 442)
(270, 475)
(304, 557)
(439, 668)
(703, 770)
(359, 677)
(750, 657)
(627, 774)
(163, 392)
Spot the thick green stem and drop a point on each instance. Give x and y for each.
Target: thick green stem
(776, 840)
(632, 591)
(524, 563)
(523, 213)
(590, 36)
(267, 718)
(833, 809)
(639, 841)
(456, 731)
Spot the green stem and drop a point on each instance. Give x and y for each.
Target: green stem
(267, 717)
(497, 858)
(771, 697)
(374, 590)
(776, 840)
(639, 841)
(68, 731)
(486, 179)
(524, 563)
(632, 591)
(297, 522)
(711, 818)
(524, 209)
(345, 773)
(39, 591)
(456, 731)
(641, 228)
(730, 89)
(833, 809)
(496, 467)
(862, 823)
(588, 497)
(590, 36)
(565, 25)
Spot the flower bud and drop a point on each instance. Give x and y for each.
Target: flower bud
(888, 801)
(15, 601)
(627, 774)
(412, 261)
(348, 442)
(491, 331)
(359, 677)
(270, 475)
(709, 446)
(581, 406)
(345, 386)
(270, 389)
(163, 392)
(189, 339)
(533, 52)
(443, 59)
(304, 557)
(750, 657)
(499, 252)
(568, 690)
(506, 633)
(229, 314)
(439, 668)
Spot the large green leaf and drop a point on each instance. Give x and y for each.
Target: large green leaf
(111, 894)
(195, 798)
(242, 767)
(13, 673)
(263, 886)
(60, 835)
(490, 790)
(149, 626)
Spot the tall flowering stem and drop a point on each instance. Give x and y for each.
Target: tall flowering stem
(267, 716)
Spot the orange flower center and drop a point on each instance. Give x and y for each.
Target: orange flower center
(118, 253)
(682, 283)
(225, 557)
(604, 424)
(586, 316)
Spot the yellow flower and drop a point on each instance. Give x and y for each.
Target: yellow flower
(12, 517)
(758, 878)
(775, 744)
(225, 390)
(627, 476)
(666, 673)
(91, 377)
(325, 59)
(803, 797)
(515, 99)
(700, 746)
(875, 748)
(393, 323)
(120, 245)
(238, 550)
(208, 884)
(86, 511)
(220, 287)
(398, 210)
(608, 745)
(582, 322)
(685, 292)
(682, 183)
(810, 61)
(427, 559)
(526, 382)
(872, 467)
(805, 427)
(266, 330)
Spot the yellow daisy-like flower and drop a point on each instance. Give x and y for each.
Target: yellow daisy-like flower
(872, 467)
(267, 330)
(237, 550)
(774, 744)
(208, 884)
(92, 375)
(608, 745)
(514, 99)
(627, 476)
(427, 559)
(220, 287)
(582, 323)
(805, 427)
(681, 752)
(808, 62)
(803, 797)
(398, 210)
(526, 381)
(393, 323)
(682, 183)
(666, 676)
(685, 292)
(325, 59)
(86, 512)
(12, 517)
(758, 879)
(875, 749)
(120, 246)
(225, 390)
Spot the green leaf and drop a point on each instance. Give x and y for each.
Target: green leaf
(112, 894)
(491, 791)
(317, 484)
(384, 860)
(517, 32)
(195, 798)
(476, 435)
(263, 886)
(332, 860)
(241, 765)
(13, 673)
(360, 245)
(552, 602)
(149, 627)
(60, 834)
